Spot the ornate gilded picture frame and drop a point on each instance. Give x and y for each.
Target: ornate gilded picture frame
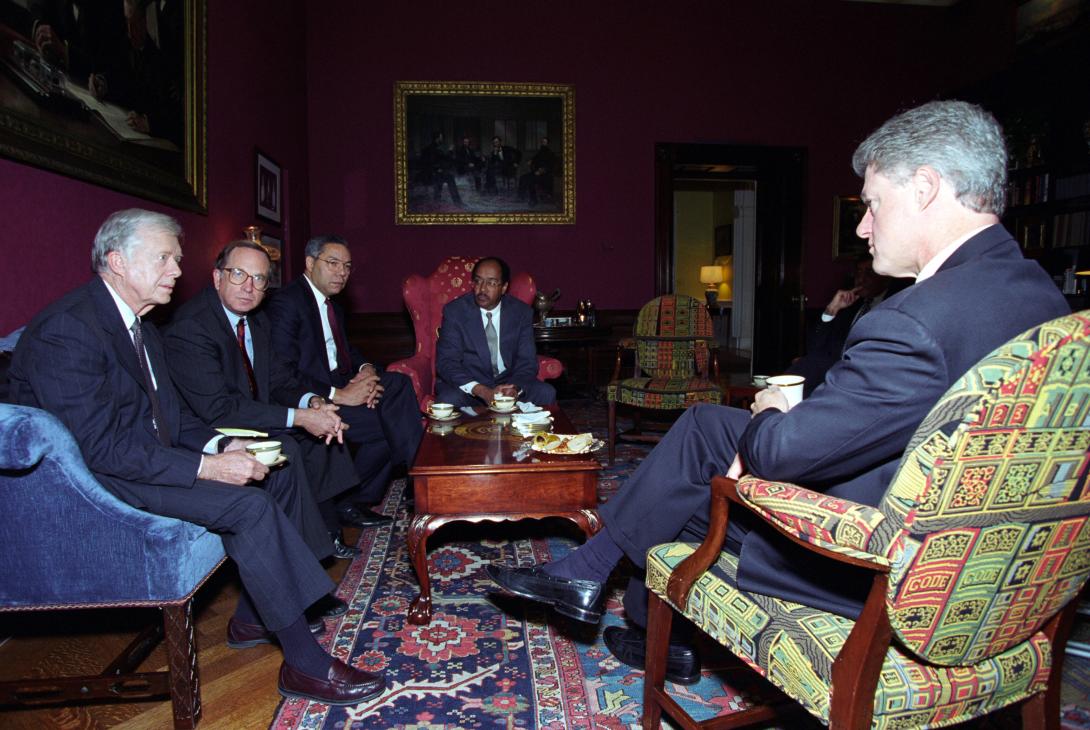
(481, 152)
(113, 101)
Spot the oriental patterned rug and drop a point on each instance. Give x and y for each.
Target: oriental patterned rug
(489, 661)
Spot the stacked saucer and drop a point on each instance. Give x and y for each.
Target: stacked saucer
(527, 424)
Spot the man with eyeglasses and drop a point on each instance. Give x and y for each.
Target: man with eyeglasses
(486, 344)
(90, 360)
(309, 332)
(223, 364)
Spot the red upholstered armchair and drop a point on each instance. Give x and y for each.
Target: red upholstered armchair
(425, 298)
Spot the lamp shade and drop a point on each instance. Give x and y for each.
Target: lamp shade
(711, 274)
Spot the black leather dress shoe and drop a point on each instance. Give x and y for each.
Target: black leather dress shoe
(353, 517)
(345, 552)
(328, 606)
(342, 685)
(579, 599)
(243, 635)
(629, 645)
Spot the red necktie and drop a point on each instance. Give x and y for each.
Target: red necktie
(338, 339)
(240, 329)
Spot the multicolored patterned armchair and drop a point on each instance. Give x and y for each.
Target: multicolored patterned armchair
(674, 340)
(425, 298)
(978, 548)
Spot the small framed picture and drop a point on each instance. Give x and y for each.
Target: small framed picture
(275, 247)
(267, 190)
(848, 210)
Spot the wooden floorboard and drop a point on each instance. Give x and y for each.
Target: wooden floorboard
(238, 687)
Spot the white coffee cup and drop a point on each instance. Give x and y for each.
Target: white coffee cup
(790, 386)
(441, 410)
(503, 402)
(265, 451)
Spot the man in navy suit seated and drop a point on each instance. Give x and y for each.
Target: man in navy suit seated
(223, 364)
(91, 361)
(486, 344)
(934, 183)
(309, 332)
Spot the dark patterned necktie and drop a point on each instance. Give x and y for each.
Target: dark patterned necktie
(338, 339)
(493, 344)
(153, 395)
(240, 330)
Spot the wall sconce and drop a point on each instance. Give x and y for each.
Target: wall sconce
(711, 277)
(253, 234)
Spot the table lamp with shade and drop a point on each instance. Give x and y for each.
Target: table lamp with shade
(711, 277)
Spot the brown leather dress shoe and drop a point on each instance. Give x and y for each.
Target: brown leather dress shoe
(242, 635)
(343, 685)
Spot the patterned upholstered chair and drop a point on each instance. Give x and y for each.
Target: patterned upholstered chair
(67, 543)
(674, 342)
(425, 298)
(978, 548)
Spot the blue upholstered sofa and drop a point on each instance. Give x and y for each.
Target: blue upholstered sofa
(66, 542)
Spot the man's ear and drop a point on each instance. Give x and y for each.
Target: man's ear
(926, 182)
(116, 263)
(216, 276)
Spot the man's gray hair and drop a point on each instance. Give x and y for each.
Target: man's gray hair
(316, 244)
(121, 232)
(962, 141)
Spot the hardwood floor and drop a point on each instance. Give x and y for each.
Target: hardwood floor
(238, 687)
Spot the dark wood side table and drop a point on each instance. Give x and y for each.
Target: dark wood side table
(470, 470)
(550, 340)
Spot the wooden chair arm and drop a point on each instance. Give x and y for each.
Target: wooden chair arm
(723, 491)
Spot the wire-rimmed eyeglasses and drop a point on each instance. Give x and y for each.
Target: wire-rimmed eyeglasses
(238, 277)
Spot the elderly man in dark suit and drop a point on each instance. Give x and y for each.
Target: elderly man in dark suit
(308, 331)
(90, 361)
(223, 364)
(486, 344)
(934, 186)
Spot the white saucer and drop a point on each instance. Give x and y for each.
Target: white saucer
(282, 459)
(494, 409)
(451, 417)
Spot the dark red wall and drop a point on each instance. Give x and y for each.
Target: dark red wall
(256, 88)
(818, 75)
(312, 85)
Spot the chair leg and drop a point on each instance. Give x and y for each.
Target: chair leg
(659, 617)
(1042, 711)
(185, 688)
(612, 430)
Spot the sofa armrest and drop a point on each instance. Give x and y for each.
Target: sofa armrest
(67, 541)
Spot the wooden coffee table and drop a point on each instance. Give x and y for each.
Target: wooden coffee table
(469, 470)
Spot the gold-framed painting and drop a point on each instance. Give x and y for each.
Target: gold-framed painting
(477, 152)
(848, 210)
(113, 94)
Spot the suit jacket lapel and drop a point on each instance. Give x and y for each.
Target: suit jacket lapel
(508, 335)
(114, 327)
(476, 330)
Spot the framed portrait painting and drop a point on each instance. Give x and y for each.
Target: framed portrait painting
(848, 210)
(114, 101)
(480, 152)
(267, 188)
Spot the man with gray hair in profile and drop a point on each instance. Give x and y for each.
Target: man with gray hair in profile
(934, 180)
(90, 360)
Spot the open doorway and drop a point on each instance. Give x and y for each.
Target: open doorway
(711, 199)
